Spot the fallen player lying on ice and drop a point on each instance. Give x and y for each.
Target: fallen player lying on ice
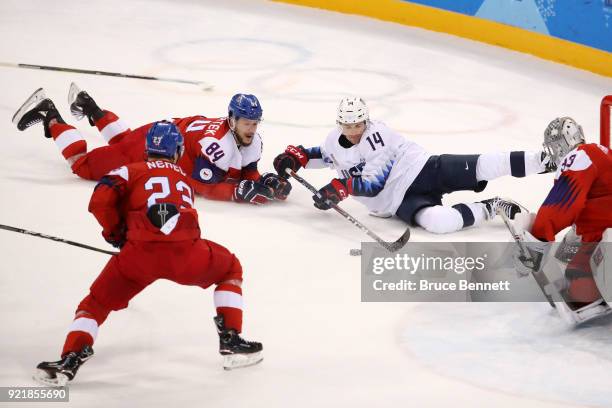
(391, 175)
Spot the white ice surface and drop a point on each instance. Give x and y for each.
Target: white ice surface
(323, 347)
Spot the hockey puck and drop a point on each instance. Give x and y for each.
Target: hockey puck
(355, 252)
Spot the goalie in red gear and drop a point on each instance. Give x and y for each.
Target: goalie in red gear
(581, 196)
(146, 210)
(221, 154)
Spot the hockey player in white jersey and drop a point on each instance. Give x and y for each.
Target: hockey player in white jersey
(391, 175)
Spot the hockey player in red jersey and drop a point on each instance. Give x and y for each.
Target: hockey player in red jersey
(580, 197)
(146, 209)
(221, 154)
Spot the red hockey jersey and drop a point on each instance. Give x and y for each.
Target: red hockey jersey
(581, 195)
(121, 199)
(213, 159)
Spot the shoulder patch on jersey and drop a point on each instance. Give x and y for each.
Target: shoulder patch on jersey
(603, 149)
(576, 160)
(206, 172)
(121, 172)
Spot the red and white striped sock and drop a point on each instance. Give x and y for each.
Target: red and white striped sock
(82, 332)
(111, 127)
(228, 301)
(69, 140)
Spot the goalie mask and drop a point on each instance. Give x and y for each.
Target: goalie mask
(352, 110)
(561, 136)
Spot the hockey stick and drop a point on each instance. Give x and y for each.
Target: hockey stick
(539, 276)
(52, 238)
(203, 85)
(389, 246)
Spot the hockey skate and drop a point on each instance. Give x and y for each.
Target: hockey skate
(58, 373)
(37, 108)
(81, 105)
(498, 205)
(236, 351)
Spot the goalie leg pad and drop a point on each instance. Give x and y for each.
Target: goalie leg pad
(592, 311)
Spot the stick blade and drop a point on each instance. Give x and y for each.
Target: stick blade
(400, 242)
(391, 246)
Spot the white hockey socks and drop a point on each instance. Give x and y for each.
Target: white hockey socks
(516, 164)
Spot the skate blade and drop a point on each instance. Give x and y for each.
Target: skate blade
(33, 100)
(380, 214)
(43, 378)
(233, 361)
(72, 95)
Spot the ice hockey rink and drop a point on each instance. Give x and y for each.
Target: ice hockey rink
(323, 347)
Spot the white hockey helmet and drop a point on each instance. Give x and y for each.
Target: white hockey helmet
(561, 136)
(352, 110)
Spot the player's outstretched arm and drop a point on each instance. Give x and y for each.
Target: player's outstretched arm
(222, 191)
(296, 157)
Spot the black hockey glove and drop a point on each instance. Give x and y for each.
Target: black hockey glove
(115, 238)
(293, 158)
(333, 193)
(280, 186)
(253, 192)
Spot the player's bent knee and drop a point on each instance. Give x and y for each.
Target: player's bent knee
(224, 262)
(81, 168)
(94, 308)
(235, 282)
(234, 273)
(439, 219)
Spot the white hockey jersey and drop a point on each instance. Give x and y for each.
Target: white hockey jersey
(381, 167)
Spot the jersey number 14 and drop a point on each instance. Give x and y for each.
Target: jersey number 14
(375, 139)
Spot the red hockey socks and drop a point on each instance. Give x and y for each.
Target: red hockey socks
(82, 332)
(69, 140)
(111, 127)
(228, 301)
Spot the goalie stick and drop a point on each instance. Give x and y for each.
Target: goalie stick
(389, 246)
(57, 239)
(203, 85)
(539, 276)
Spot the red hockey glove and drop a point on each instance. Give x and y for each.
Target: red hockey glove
(333, 193)
(293, 158)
